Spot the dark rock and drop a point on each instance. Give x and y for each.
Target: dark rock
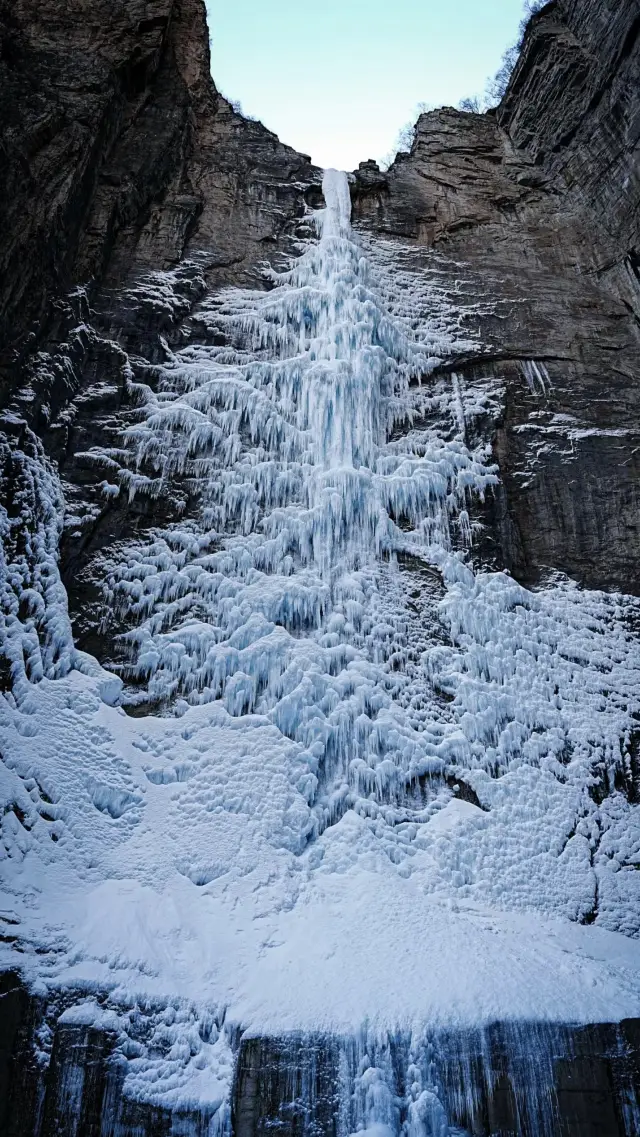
(59, 1080)
(508, 1079)
(118, 154)
(119, 158)
(290, 1086)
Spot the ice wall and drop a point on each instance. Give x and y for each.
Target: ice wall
(529, 1079)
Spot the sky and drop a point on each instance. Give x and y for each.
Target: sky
(337, 80)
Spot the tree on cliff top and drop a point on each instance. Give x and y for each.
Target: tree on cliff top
(497, 85)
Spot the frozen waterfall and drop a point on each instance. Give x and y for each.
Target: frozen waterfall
(362, 781)
(305, 440)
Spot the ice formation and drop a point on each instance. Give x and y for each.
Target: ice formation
(367, 760)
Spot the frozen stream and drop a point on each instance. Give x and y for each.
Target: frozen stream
(377, 786)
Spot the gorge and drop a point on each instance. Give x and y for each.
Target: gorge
(321, 684)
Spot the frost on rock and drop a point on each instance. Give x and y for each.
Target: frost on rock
(369, 761)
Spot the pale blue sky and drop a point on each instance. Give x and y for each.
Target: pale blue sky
(337, 79)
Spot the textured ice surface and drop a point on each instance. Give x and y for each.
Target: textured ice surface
(383, 786)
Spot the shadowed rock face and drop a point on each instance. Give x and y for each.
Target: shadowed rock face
(119, 158)
(122, 158)
(538, 204)
(119, 154)
(77, 1090)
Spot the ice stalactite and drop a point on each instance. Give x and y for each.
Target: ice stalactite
(504, 1078)
(35, 632)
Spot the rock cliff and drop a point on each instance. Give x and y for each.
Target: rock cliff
(295, 1086)
(119, 154)
(122, 159)
(536, 206)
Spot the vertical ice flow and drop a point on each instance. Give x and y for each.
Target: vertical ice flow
(335, 188)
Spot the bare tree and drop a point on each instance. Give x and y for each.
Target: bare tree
(405, 137)
(472, 104)
(497, 85)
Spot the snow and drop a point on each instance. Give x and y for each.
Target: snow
(374, 794)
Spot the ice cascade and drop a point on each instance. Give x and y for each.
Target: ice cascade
(304, 433)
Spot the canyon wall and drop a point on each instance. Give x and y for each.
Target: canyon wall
(122, 160)
(119, 154)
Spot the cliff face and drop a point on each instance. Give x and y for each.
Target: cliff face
(536, 208)
(119, 154)
(120, 158)
(299, 1086)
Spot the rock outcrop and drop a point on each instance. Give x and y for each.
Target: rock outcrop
(120, 159)
(119, 155)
